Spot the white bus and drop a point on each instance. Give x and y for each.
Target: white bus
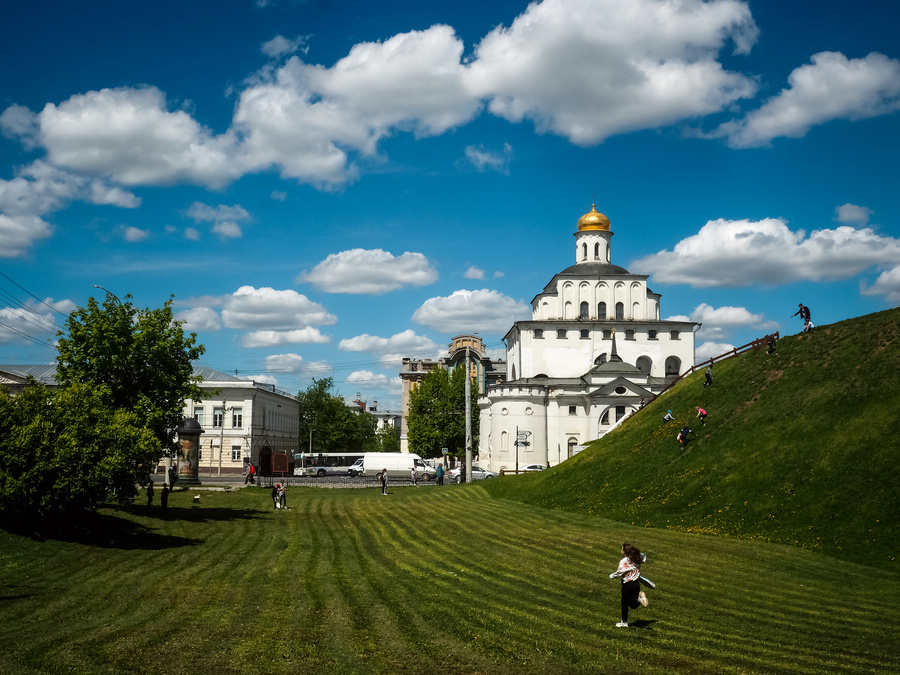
(321, 464)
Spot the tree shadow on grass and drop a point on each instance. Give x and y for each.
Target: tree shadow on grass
(109, 530)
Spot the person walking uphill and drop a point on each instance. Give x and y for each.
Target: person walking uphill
(629, 571)
(806, 316)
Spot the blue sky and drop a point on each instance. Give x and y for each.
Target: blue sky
(326, 187)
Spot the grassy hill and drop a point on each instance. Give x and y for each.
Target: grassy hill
(800, 447)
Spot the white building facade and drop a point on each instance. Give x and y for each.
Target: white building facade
(594, 347)
(243, 422)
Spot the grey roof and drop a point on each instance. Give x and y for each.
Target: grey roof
(592, 270)
(45, 374)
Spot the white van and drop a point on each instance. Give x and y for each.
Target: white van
(398, 465)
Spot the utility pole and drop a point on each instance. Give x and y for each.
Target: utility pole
(468, 419)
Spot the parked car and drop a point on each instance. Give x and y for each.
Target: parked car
(477, 474)
(534, 467)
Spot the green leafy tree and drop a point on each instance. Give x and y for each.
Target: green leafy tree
(389, 439)
(336, 428)
(68, 450)
(142, 356)
(437, 413)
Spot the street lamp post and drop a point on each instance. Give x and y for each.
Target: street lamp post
(108, 292)
(521, 439)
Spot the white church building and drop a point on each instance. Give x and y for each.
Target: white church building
(593, 349)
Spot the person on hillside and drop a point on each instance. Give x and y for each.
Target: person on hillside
(668, 417)
(150, 494)
(413, 477)
(440, 474)
(708, 376)
(164, 497)
(806, 316)
(384, 481)
(683, 435)
(629, 571)
(701, 415)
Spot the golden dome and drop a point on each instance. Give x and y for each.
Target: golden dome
(593, 221)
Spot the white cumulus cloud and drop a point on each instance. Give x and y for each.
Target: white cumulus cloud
(464, 311)
(743, 252)
(628, 65)
(270, 309)
(295, 364)
(831, 87)
(272, 338)
(369, 272)
(200, 319)
(852, 214)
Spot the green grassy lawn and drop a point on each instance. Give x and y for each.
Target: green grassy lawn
(445, 580)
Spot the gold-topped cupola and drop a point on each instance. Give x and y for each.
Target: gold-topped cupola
(593, 220)
(592, 243)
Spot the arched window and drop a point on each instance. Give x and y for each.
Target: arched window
(597, 251)
(584, 251)
(620, 311)
(635, 310)
(673, 365)
(644, 364)
(604, 420)
(571, 446)
(583, 311)
(601, 311)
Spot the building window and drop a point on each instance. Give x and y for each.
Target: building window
(601, 311)
(235, 453)
(607, 334)
(583, 311)
(596, 251)
(674, 334)
(538, 333)
(237, 417)
(629, 335)
(605, 419)
(620, 412)
(198, 415)
(573, 410)
(651, 335)
(561, 334)
(218, 416)
(584, 251)
(620, 390)
(585, 334)
(620, 311)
